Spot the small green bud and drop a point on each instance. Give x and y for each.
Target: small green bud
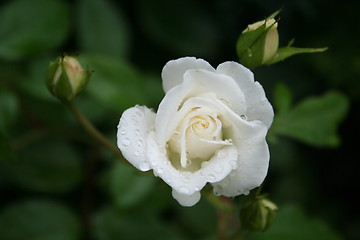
(257, 214)
(65, 78)
(258, 43)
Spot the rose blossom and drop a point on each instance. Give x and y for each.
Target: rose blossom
(209, 128)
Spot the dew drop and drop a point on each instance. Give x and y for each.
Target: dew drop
(137, 132)
(122, 132)
(137, 153)
(168, 180)
(184, 190)
(160, 171)
(243, 117)
(139, 113)
(204, 164)
(144, 166)
(125, 142)
(139, 143)
(211, 177)
(234, 164)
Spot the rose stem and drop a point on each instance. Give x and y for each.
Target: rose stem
(91, 130)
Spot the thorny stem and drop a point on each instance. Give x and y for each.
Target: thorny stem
(91, 130)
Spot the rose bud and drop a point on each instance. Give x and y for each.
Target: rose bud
(258, 43)
(257, 214)
(65, 78)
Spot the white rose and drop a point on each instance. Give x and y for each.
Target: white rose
(209, 128)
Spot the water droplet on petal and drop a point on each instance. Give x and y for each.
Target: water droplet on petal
(137, 153)
(139, 113)
(125, 142)
(243, 117)
(204, 164)
(137, 132)
(168, 180)
(184, 190)
(197, 189)
(122, 132)
(211, 177)
(144, 166)
(160, 171)
(139, 143)
(123, 122)
(234, 164)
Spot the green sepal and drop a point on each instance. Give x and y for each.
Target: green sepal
(49, 77)
(257, 213)
(250, 46)
(274, 14)
(62, 88)
(288, 51)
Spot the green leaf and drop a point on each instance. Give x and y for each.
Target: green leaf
(117, 84)
(6, 153)
(51, 167)
(32, 27)
(282, 98)
(139, 224)
(285, 52)
(102, 28)
(314, 120)
(128, 187)
(38, 220)
(8, 109)
(292, 223)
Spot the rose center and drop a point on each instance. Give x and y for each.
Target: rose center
(196, 139)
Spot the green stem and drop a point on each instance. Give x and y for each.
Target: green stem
(91, 130)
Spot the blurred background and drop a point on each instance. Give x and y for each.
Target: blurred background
(57, 183)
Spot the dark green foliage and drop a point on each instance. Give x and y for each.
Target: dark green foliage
(57, 183)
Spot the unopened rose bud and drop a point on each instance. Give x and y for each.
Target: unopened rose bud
(258, 43)
(258, 214)
(65, 78)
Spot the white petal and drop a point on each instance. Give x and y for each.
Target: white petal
(186, 200)
(213, 170)
(133, 129)
(173, 71)
(196, 82)
(259, 107)
(253, 163)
